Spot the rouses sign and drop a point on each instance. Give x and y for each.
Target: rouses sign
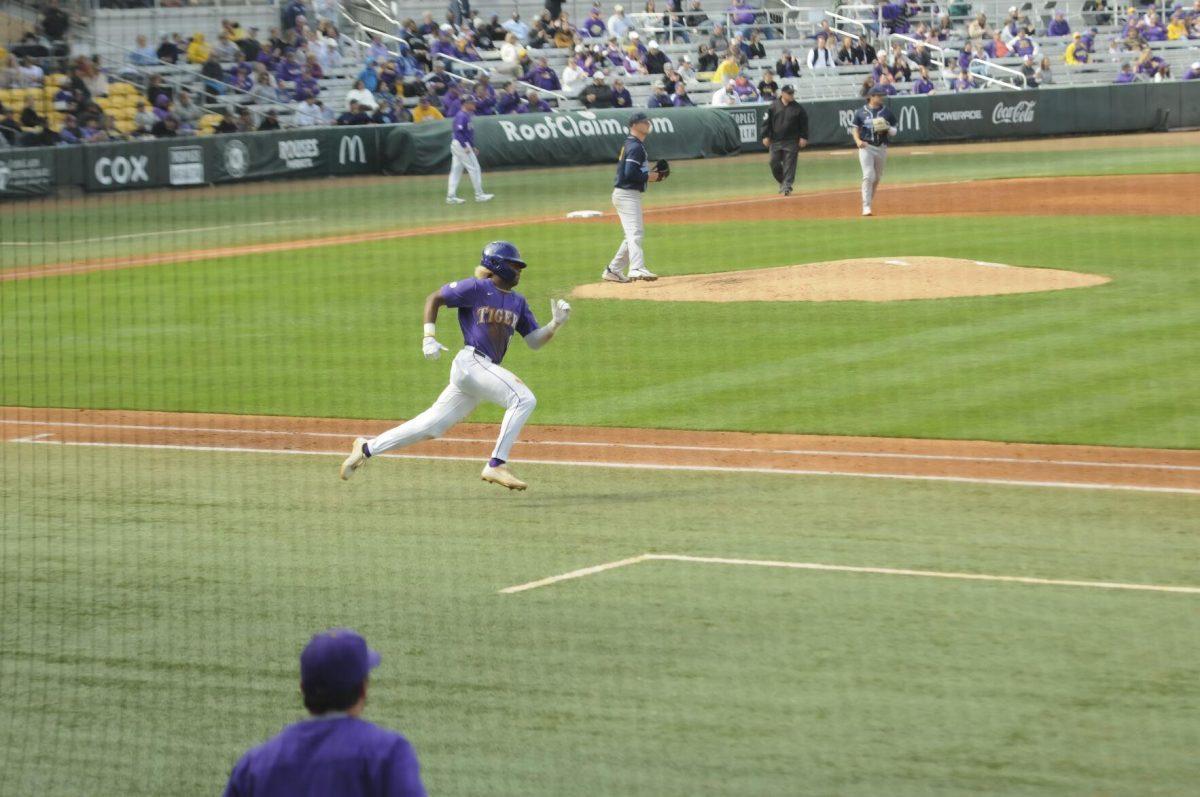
(26, 174)
(185, 165)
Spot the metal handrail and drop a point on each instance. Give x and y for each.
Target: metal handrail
(839, 18)
(941, 51)
(560, 97)
(1010, 70)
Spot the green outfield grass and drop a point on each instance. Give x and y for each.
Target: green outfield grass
(335, 332)
(154, 604)
(118, 225)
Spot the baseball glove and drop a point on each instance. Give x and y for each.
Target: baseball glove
(663, 168)
(879, 124)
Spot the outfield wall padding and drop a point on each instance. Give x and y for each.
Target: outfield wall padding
(579, 138)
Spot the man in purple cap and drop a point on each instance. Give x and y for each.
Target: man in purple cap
(334, 751)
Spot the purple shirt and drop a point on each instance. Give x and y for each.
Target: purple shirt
(1023, 47)
(508, 103)
(488, 316)
(544, 78)
(339, 755)
(464, 132)
(1058, 27)
(1125, 77)
(541, 107)
(922, 86)
(1192, 74)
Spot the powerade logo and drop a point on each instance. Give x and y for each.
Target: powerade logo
(563, 126)
(300, 153)
(123, 171)
(958, 116)
(1019, 114)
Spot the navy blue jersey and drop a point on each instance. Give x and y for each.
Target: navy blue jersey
(863, 118)
(633, 167)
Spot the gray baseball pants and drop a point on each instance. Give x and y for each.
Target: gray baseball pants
(872, 159)
(783, 163)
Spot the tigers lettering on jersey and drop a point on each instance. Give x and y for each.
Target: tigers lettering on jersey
(496, 315)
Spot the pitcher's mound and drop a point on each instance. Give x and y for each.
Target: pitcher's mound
(871, 279)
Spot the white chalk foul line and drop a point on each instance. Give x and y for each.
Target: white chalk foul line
(880, 571)
(638, 466)
(181, 231)
(813, 452)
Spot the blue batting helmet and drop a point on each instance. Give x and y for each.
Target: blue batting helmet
(502, 258)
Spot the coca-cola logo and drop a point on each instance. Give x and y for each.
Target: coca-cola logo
(1019, 114)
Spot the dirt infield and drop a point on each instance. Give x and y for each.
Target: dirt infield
(1141, 195)
(868, 279)
(1174, 471)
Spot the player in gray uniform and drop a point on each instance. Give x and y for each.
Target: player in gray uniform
(873, 127)
(633, 173)
(489, 311)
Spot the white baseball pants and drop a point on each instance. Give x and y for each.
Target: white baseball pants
(473, 379)
(462, 157)
(629, 208)
(872, 160)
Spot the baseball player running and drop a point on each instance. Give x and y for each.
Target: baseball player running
(488, 313)
(463, 154)
(633, 172)
(873, 127)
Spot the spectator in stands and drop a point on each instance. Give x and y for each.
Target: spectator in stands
(686, 71)
(307, 83)
(656, 59)
(1058, 26)
(245, 121)
(820, 58)
(597, 94)
(923, 85)
(574, 77)
(618, 24)
(438, 80)
(354, 115)
(978, 30)
(64, 100)
(681, 98)
(1044, 74)
(224, 49)
(1076, 53)
(534, 104)
(508, 99)
(361, 96)
(593, 27)
(845, 54)
(718, 42)
(1193, 72)
(424, 112)
(768, 89)
(167, 51)
(1153, 30)
(1152, 66)
(564, 31)
(1177, 27)
(29, 75)
(659, 98)
(167, 127)
(55, 23)
(10, 128)
(29, 116)
(250, 46)
(198, 51)
(962, 82)
(511, 55)
(187, 112)
(484, 104)
(744, 89)
(263, 89)
(227, 124)
(308, 114)
(899, 63)
(724, 95)
(516, 27)
(1029, 70)
(143, 54)
(706, 59)
(887, 84)
(1024, 46)
(727, 70)
(108, 126)
(70, 132)
(161, 107)
(787, 66)
(1126, 75)
(543, 76)
(621, 98)
(996, 47)
(214, 79)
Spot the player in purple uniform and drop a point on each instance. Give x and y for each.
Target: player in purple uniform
(489, 311)
(463, 154)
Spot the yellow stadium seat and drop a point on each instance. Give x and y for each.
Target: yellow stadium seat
(122, 90)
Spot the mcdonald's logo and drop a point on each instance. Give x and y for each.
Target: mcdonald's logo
(909, 119)
(351, 150)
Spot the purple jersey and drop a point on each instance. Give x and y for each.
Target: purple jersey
(488, 315)
(334, 754)
(464, 133)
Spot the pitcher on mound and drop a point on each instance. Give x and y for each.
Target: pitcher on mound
(633, 173)
(489, 311)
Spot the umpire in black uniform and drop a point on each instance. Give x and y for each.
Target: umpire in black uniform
(785, 133)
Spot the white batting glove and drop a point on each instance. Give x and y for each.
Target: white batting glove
(431, 348)
(560, 312)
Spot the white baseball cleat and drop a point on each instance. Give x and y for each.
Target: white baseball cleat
(642, 274)
(356, 459)
(867, 211)
(453, 200)
(484, 197)
(611, 275)
(502, 476)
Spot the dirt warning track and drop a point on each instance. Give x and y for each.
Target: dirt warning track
(1094, 467)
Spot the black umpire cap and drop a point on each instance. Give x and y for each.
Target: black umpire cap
(788, 89)
(638, 117)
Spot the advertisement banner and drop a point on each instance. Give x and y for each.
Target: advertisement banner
(986, 114)
(353, 150)
(563, 139)
(26, 173)
(185, 165)
(256, 157)
(116, 167)
(749, 120)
